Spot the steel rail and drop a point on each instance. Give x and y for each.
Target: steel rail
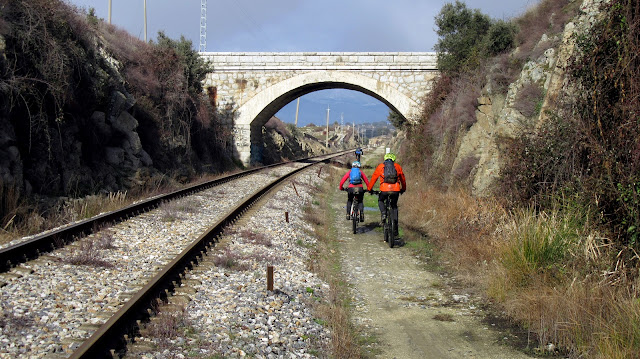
(110, 338)
(30, 249)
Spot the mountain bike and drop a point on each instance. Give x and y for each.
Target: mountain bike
(390, 223)
(355, 208)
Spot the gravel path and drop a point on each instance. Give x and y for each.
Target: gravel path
(412, 311)
(50, 306)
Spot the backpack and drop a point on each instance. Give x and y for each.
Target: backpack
(354, 176)
(390, 174)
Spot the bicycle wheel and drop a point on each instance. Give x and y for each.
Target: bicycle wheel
(391, 226)
(354, 217)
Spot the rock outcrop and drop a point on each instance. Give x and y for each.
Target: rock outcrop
(498, 115)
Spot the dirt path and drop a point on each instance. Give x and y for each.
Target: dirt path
(408, 308)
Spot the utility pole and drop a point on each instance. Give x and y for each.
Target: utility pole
(326, 141)
(203, 25)
(109, 11)
(297, 105)
(145, 20)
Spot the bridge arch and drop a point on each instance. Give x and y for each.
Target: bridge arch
(254, 113)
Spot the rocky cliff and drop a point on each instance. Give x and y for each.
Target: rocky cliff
(500, 116)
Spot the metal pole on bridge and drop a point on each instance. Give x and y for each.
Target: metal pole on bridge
(109, 11)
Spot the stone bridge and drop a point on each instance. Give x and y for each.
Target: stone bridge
(251, 87)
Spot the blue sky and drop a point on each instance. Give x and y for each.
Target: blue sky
(296, 25)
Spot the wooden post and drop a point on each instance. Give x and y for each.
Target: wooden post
(270, 278)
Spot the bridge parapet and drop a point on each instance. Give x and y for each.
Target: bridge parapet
(268, 61)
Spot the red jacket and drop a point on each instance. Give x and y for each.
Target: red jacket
(387, 187)
(346, 177)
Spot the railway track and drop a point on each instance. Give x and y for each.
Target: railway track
(51, 240)
(108, 337)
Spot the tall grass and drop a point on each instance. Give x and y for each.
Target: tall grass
(24, 218)
(537, 244)
(551, 271)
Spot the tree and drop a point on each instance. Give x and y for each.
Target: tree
(500, 37)
(396, 119)
(461, 32)
(194, 67)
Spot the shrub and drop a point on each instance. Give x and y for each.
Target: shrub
(540, 162)
(529, 100)
(502, 71)
(548, 17)
(88, 253)
(500, 37)
(607, 109)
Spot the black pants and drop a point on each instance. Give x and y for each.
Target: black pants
(358, 192)
(393, 197)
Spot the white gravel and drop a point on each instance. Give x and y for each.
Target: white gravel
(232, 314)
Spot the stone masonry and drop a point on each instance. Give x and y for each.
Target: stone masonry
(251, 87)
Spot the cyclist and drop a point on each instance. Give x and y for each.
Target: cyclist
(392, 184)
(358, 153)
(355, 176)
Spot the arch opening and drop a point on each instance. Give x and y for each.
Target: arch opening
(259, 109)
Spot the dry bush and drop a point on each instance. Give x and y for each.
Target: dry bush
(229, 259)
(88, 253)
(502, 71)
(255, 237)
(458, 223)
(529, 100)
(584, 317)
(167, 324)
(548, 17)
(11, 323)
(549, 271)
(465, 169)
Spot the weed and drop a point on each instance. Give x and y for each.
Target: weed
(529, 99)
(444, 317)
(255, 237)
(12, 323)
(310, 290)
(168, 323)
(227, 258)
(88, 253)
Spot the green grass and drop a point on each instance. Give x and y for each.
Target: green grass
(540, 245)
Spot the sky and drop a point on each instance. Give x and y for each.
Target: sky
(297, 25)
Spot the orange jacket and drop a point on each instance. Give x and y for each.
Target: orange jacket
(388, 187)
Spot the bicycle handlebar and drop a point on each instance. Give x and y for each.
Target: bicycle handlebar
(372, 192)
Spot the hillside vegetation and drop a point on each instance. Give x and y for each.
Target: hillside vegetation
(531, 168)
(92, 118)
